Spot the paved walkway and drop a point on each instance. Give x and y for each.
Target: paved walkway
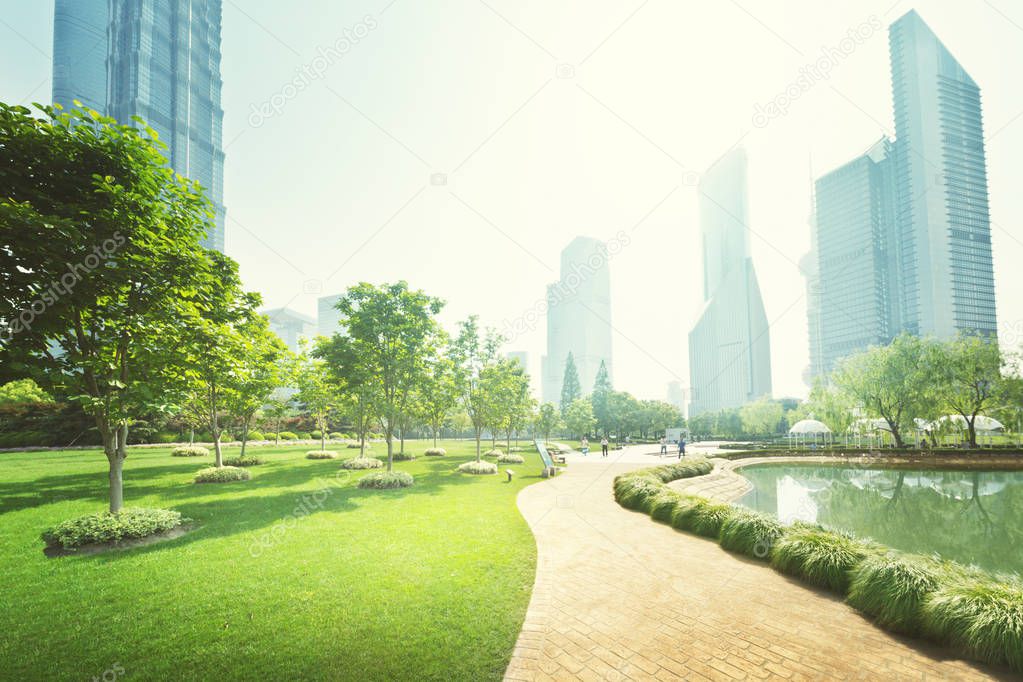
(618, 596)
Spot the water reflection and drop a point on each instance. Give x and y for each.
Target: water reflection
(968, 516)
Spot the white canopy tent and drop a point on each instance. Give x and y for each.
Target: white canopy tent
(810, 431)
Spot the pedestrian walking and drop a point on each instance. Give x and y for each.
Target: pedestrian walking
(603, 446)
(584, 447)
(681, 447)
(664, 445)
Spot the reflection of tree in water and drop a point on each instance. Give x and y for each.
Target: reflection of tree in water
(972, 517)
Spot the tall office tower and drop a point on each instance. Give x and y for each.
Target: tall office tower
(328, 318)
(856, 258)
(676, 395)
(943, 225)
(578, 317)
(291, 326)
(729, 348)
(158, 60)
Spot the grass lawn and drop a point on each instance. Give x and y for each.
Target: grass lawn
(296, 574)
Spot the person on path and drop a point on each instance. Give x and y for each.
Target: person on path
(664, 445)
(584, 447)
(681, 447)
(603, 446)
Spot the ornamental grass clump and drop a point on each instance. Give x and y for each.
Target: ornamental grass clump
(478, 468)
(435, 452)
(662, 505)
(983, 615)
(190, 451)
(246, 461)
(362, 463)
(892, 588)
(386, 480)
(632, 491)
(321, 454)
(225, 474)
(708, 517)
(750, 533)
(493, 453)
(131, 523)
(510, 459)
(403, 457)
(822, 557)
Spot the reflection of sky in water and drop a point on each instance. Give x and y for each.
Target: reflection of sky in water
(973, 517)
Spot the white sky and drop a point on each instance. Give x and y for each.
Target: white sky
(336, 188)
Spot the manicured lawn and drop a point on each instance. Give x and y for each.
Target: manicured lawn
(295, 574)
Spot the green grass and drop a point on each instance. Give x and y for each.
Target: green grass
(821, 557)
(892, 588)
(982, 616)
(751, 533)
(296, 573)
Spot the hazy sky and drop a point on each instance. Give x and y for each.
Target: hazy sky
(549, 119)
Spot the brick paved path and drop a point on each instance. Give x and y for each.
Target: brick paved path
(618, 596)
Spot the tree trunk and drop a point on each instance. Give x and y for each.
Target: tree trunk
(390, 439)
(971, 425)
(116, 482)
(402, 436)
(277, 431)
(362, 443)
(478, 434)
(245, 435)
(191, 435)
(435, 436)
(323, 437)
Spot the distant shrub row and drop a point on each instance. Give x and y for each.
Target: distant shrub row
(963, 607)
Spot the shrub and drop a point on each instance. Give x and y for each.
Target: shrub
(337, 436)
(708, 517)
(632, 491)
(662, 505)
(375, 436)
(246, 461)
(190, 451)
(435, 452)
(403, 457)
(287, 435)
(493, 453)
(356, 446)
(362, 463)
(321, 454)
(131, 523)
(255, 435)
(510, 459)
(224, 474)
(383, 480)
(893, 588)
(982, 615)
(316, 435)
(478, 468)
(682, 516)
(822, 557)
(165, 437)
(750, 533)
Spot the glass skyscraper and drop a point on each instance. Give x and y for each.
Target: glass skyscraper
(902, 234)
(729, 348)
(158, 60)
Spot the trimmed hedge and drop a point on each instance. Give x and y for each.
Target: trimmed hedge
(255, 435)
(510, 459)
(435, 452)
(223, 474)
(321, 454)
(403, 457)
(190, 451)
(287, 435)
(978, 613)
(334, 435)
(386, 480)
(478, 468)
(362, 463)
(496, 452)
(246, 461)
(131, 523)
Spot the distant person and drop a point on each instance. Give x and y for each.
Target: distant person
(584, 447)
(664, 445)
(681, 447)
(603, 446)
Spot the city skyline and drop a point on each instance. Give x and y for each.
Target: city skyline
(291, 249)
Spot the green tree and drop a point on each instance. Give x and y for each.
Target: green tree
(474, 353)
(570, 387)
(352, 373)
(828, 405)
(393, 332)
(624, 411)
(548, 420)
(762, 417)
(100, 260)
(263, 367)
(601, 395)
(278, 406)
(579, 419)
(437, 395)
(889, 382)
(23, 392)
(316, 392)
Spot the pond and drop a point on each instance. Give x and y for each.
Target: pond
(967, 516)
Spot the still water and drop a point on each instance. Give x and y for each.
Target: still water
(968, 516)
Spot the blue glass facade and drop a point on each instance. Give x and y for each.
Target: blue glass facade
(158, 60)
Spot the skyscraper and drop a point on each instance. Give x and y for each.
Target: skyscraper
(578, 317)
(158, 60)
(902, 234)
(291, 326)
(328, 317)
(943, 225)
(729, 347)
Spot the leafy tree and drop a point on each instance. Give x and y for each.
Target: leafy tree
(601, 394)
(278, 406)
(23, 392)
(437, 394)
(101, 266)
(624, 412)
(351, 372)
(761, 417)
(579, 419)
(890, 382)
(506, 387)
(548, 419)
(570, 388)
(262, 369)
(474, 353)
(317, 393)
(828, 405)
(393, 332)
